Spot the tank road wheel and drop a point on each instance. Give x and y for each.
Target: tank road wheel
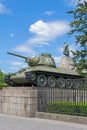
(33, 76)
(69, 83)
(76, 83)
(61, 82)
(81, 82)
(41, 81)
(51, 81)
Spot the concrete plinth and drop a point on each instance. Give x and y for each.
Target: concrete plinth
(19, 101)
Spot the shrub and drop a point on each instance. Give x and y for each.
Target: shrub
(67, 108)
(2, 83)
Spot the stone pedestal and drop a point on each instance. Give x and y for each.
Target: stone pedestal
(66, 62)
(18, 101)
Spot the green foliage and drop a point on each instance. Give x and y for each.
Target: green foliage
(2, 83)
(70, 108)
(79, 29)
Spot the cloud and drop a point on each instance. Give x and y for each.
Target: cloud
(74, 2)
(14, 68)
(49, 13)
(43, 34)
(57, 59)
(16, 65)
(24, 49)
(4, 71)
(49, 29)
(4, 10)
(60, 49)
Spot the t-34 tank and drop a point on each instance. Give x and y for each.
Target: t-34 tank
(42, 72)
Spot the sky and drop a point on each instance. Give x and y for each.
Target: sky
(32, 27)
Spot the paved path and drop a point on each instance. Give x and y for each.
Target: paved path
(19, 123)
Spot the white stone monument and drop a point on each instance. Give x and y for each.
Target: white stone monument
(66, 61)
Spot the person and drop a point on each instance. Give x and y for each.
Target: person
(66, 49)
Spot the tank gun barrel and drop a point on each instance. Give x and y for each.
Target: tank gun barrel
(17, 55)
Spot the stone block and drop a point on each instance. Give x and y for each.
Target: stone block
(82, 120)
(8, 93)
(18, 100)
(32, 100)
(1, 93)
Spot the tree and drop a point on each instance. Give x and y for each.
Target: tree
(79, 29)
(2, 76)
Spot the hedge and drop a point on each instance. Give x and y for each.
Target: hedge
(3, 85)
(70, 108)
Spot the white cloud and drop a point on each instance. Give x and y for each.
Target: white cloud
(4, 71)
(14, 68)
(43, 34)
(47, 31)
(57, 59)
(60, 49)
(16, 63)
(74, 2)
(3, 9)
(49, 13)
(24, 48)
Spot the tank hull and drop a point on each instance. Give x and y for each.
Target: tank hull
(43, 76)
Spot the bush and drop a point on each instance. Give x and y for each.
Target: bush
(68, 108)
(2, 83)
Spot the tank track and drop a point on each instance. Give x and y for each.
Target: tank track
(42, 79)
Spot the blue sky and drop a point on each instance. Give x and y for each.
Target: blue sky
(32, 27)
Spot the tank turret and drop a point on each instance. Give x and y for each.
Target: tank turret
(43, 59)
